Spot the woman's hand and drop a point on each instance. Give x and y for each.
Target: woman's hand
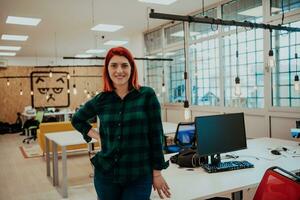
(160, 185)
(94, 134)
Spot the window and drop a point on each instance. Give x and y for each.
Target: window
(175, 79)
(288, 5)
(153, 40)
(174, 34)
(283, 91)
(204, 72)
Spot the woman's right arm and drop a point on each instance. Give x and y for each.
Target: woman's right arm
(81, 117)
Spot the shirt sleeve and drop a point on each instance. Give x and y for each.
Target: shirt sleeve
(155, 133)
(81, 117)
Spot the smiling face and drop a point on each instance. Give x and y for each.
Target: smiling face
(119, 71)
(50, 92)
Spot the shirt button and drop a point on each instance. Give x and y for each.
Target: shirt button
(116, 159)
(119, 137)
(120, 112)
(119, 124)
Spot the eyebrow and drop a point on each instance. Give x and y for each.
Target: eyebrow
(39, 79)
(60, 79)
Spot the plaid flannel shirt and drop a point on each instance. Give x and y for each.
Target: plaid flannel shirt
(130, 130)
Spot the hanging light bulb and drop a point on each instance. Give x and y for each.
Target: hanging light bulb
(21, 92)
(50, 74)
(68, 91)
(296, 83)
(74, 89)
(163, 89)
(31, 93)
(68, 76)
(271, 59)
(7, 82)
(47, 96)
(85, 90)
(97, 92)
(187, 111)
(237, 87)
(88, 95)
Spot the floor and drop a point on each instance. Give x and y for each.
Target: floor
(25, 178)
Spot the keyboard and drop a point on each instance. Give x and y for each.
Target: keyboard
(227, 166)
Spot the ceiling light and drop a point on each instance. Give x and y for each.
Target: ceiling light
(116, 42)
(23, 21)
(7, 53)
(10, 48)
(95, 51)
(181, 34)
(14, 37)
(161, 2)
(106, 27)
(83, 56)
(257, 11)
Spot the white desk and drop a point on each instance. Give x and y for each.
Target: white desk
(62, 139)
(198, 184)
(63, 113)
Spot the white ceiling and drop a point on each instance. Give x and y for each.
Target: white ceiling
(71, 21)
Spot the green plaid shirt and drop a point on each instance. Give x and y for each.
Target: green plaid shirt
(130, 130)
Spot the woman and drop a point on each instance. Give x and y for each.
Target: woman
(131, 157)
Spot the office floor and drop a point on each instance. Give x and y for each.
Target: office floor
(25, 179)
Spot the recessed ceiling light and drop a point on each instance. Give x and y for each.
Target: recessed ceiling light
(161, 2)
(7, 53)
(10, 48)
(83, 55)
(23, 20)
(95, 51)
(106, 27)
(14, 37)
(257, 11)
(181, 34)
(116, 42)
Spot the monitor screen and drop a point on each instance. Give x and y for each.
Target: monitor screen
(220, 133)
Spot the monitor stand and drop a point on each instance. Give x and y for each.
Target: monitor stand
(214, 159)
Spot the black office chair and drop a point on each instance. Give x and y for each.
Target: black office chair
(33, 127)
(184, 137)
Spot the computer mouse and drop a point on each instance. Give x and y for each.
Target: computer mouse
(275, 152)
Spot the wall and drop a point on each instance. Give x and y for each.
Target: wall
(12, 102)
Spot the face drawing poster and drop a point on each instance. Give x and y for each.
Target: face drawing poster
(50, 91)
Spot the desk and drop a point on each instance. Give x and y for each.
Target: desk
(63, 113)
(62, 139)
(197, 184)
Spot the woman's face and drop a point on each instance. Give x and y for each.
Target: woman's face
(119, 71)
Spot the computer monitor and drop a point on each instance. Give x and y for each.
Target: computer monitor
(218, 134)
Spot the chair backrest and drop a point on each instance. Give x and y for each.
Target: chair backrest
(278, 183)
(185, 134)
(39, 116)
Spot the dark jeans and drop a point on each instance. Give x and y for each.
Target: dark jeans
(136, 190)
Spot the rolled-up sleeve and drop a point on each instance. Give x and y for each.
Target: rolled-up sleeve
(155, 133)
(81, 117)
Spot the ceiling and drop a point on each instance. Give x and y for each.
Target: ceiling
(70, 21)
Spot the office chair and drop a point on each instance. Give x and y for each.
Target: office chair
(184, 137)
(33, 128)
(278, 183)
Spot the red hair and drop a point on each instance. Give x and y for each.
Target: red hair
(133, 80)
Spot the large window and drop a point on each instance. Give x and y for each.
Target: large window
(204, 68)
(249, 66)
(288, 5)
(283, 91)
(175, 79)
(155, 77)
(153, 40)
(174, 34)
